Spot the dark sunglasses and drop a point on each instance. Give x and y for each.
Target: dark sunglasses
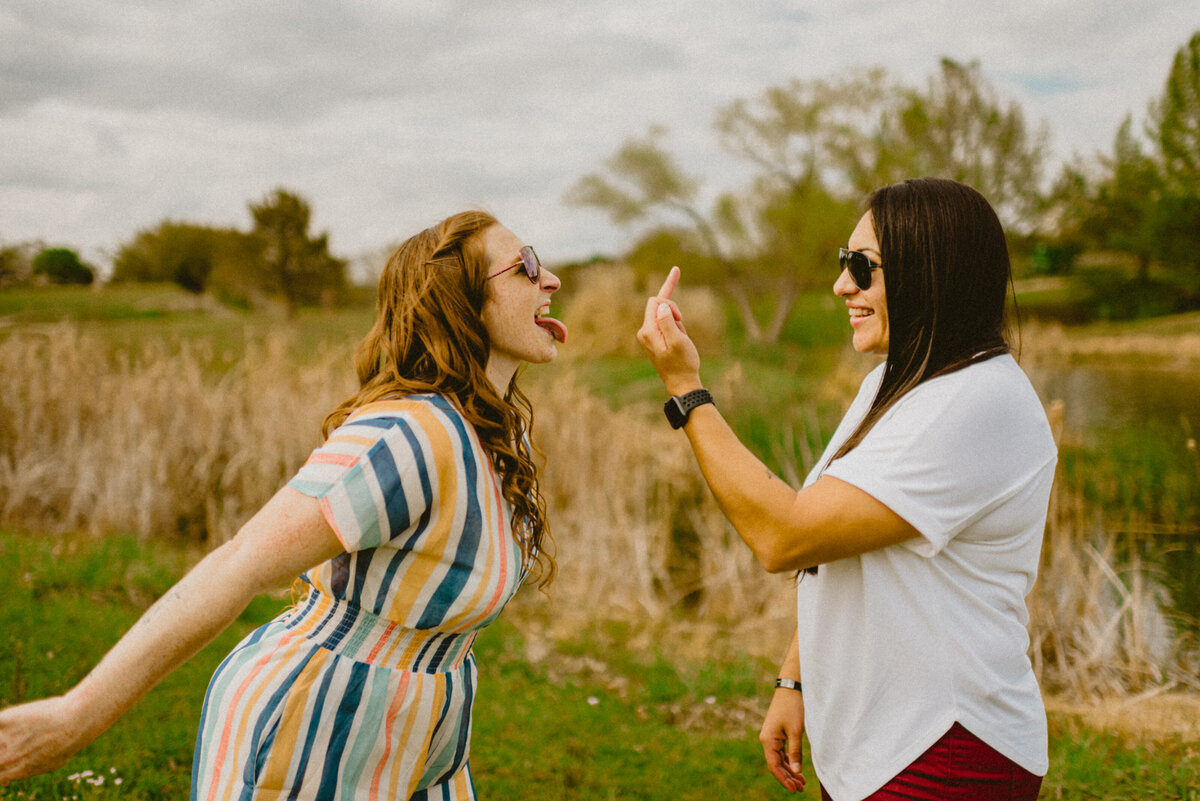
(859, 266)
(529, 262)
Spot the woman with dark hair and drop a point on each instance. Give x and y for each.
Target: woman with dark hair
(925, 514)
(414, 524)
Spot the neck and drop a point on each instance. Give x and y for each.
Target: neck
(500, 371)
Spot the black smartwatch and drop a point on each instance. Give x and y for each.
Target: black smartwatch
(679, 407)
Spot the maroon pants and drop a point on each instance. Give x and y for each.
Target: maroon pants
(959, 767)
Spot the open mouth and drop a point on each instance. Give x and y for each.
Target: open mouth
(555, 327)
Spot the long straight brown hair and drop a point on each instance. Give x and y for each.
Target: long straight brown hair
(429, 336)
(947, 273)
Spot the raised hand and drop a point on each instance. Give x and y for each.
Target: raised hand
(664, 339)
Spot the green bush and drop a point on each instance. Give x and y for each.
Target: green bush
(62, 266)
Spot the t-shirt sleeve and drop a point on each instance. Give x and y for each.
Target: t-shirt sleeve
(373, 479)
(943, 457)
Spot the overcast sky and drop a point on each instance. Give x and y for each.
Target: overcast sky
(387, 116)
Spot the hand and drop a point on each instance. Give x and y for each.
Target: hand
(666, 342)
(780, 738)
(38, 737)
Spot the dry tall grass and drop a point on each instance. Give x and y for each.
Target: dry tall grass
(161, 442)
(155, 442)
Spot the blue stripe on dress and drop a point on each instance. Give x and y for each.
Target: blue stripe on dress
(422, 523)
(464, 723)
(216, 690)
(373, 712)
(297, 781)
(257, 757)
(387, 478)
(468, 544)
(343, 722)
(360, 565)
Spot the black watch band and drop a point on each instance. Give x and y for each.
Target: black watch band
(679, 407)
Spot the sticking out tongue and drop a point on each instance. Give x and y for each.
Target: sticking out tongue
(556, 328)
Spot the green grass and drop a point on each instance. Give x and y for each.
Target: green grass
(591, 718)
(66, 602)
(131, 316)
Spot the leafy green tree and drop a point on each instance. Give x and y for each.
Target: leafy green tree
(296, 266)
(644, 182)
(16, 263)
(819, 146)
(1175, 127)
(1175, 121)
(812, 130)
(652, 255)
(1117, 208)
(959, 127)
(182, 253)
(856, 133)
(62, 266)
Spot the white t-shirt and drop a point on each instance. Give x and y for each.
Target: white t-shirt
(898, 644)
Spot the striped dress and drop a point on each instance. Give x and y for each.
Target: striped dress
(365, 690)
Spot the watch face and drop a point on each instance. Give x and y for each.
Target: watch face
(676, 415)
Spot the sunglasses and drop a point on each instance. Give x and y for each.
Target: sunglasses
(529, 263)
(859, 266)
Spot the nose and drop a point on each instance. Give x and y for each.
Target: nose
(844, 286)
(548, 281)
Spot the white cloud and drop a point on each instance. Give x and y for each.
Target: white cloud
(387, 116)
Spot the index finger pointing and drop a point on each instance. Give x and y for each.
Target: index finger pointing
(669, 285)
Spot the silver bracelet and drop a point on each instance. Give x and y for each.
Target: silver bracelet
(791, 684)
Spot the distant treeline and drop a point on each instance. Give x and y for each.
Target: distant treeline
(277, 262)
(817, 147)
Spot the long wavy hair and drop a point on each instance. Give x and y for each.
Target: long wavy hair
(947, 273)
(429, 336)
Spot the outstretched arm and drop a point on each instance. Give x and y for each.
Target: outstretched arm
(786, 529)
(286, 537)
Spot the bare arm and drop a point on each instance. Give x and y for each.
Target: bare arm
(286, 537)
(786, 529)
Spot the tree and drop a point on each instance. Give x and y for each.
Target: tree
(820, 146)
(819, 130)
(1175, 127)
(644, 182)
(16, 263)
(182, 253)
(1115, 210)
(62, 266)
(296, 267)
(857, 133)
(1175, 121)
(960, 128)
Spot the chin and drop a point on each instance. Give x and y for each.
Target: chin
(544, 358)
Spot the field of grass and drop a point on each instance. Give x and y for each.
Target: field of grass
(602, 714)
(213, 409)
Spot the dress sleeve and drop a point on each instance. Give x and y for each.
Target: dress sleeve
(374, 479)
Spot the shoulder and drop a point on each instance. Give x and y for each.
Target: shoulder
(420, 410)
(991, 401)
(425, 422)
(997, 387)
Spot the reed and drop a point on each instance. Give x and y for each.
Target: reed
(158, 440)
(163, 440)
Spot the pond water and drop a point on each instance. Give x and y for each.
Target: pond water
(1113, 403)
(1108, 397)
